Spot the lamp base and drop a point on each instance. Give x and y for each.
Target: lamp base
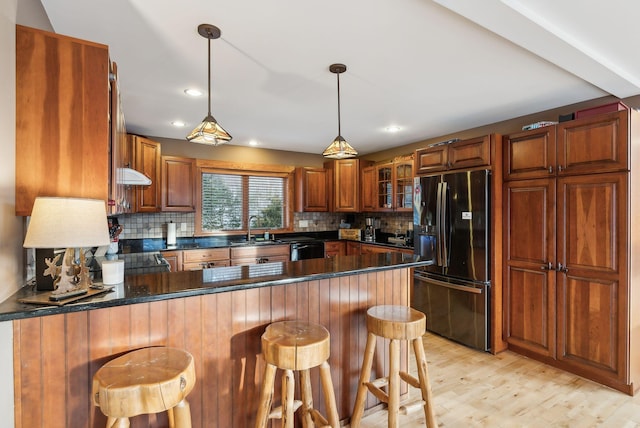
(43, 283)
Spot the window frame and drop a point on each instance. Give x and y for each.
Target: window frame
(245, 169)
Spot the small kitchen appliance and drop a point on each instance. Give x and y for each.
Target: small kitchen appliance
(369, 229)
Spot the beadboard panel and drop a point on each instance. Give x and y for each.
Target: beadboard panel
(56, 356)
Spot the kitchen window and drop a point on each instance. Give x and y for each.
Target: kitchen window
(229, 198)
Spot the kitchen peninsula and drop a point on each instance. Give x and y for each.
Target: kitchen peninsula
(218, 315)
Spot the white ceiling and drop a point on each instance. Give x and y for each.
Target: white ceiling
(429, 67)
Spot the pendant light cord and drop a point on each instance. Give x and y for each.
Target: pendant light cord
(338, 76)
(209, 73)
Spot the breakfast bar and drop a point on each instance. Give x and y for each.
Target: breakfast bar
(218, 315)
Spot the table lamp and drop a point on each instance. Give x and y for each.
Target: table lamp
(71, 223)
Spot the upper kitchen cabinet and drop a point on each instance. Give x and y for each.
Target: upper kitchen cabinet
(147, 161)
(474, 152)
(178, 184)
(368, 195)
(394, 185)
(312, 189)
(62, 118)
(344, 180)
(583, 146)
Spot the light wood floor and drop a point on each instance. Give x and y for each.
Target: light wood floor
(477, 389)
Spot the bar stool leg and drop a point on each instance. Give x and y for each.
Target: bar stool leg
(425, 385)
(288, 383)
(181, 415)
(266, 396)
(365, 376)
(329, 397)
(117, 422)
(307, 398)
(394, 383)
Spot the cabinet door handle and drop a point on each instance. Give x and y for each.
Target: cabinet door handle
(548, 266)
(562, 268)
(560, 168)
(550, 169)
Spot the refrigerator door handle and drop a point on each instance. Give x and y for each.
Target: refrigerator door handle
(449, 285)
(443, 224)
(439, 222)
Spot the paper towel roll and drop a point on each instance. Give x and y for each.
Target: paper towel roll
(112, 272)
(171, 233)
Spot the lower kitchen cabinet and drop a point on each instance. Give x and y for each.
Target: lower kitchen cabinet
(377, 249)
(174, 258)
(205, 258)
(334, 248)
(257, 254)
(353, 248)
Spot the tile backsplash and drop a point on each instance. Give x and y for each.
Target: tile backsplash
(154, 225)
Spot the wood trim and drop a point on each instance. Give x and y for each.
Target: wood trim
(241, 166)
(56, 356)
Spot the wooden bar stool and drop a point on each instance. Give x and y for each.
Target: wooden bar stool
(395, 323)
(296, 346)
(149, 380)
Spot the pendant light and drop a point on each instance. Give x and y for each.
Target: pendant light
(339, 148)
(209, 131)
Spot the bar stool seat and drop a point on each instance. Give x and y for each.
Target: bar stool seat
(145, 381)
(394, 323)
(296, 346)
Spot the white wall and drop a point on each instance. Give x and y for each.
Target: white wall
(31, 13)
(10, 225)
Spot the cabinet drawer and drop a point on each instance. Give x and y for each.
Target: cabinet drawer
(205, 264)
(205, 255)
(258, 260)
(260, 251)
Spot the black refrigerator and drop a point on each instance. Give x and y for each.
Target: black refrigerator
(451, 229)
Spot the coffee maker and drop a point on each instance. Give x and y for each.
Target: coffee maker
(369, 229)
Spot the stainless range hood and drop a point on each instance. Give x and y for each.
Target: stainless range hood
(131, 177)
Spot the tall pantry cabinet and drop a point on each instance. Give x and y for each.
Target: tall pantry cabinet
(570, 246)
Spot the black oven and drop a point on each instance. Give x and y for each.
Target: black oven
(307, 250)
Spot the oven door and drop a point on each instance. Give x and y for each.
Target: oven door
(456, 310)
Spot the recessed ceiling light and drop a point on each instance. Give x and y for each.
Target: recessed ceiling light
(392, 128)
(193, 92)
(178, 123)
(254, 143)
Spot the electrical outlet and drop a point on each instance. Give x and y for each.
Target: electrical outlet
(183, 227)
(303, 223)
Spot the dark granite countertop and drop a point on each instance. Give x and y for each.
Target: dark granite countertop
(170, 285)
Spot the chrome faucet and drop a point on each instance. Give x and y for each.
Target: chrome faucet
(249, 227)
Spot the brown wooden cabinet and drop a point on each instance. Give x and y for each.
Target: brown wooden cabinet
(205, 258)
(353, 248)
(334, 248)
(120, 195)
(368, 197)
(260, 254)
(567, 258)
(312, 190)
(344, 181)
(585, 146)
(388, 186)
(377, 249)
(62, 118)
(174, 258)
(473, 152)
(147, 158)
(178, 184)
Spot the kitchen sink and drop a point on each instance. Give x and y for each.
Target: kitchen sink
(253, 243)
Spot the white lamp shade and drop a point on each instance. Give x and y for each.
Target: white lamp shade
(67, 223)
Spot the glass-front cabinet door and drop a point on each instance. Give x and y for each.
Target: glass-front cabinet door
(403, 172)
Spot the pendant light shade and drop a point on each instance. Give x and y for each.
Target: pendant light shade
(339, 148)
(209, 131)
